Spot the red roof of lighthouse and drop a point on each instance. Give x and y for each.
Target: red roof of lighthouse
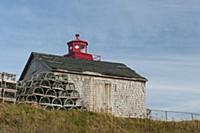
(78, 40)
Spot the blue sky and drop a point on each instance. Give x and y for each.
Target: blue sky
(159, 39)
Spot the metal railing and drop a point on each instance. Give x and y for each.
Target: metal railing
(97, 57)
(171, 115)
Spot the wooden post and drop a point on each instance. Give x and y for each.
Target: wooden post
(166, 115)
(192, 116)
(3, 86)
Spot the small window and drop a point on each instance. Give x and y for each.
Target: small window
(76, 47)
(107, 85)
(115, 86)
(83, 49)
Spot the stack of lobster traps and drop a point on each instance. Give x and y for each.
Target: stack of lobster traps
(8, 87)
(49, 90)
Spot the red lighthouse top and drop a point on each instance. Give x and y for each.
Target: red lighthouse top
(78, 49)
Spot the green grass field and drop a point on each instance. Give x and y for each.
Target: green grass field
(27, 119)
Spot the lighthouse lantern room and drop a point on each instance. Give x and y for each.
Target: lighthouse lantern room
(78, 49)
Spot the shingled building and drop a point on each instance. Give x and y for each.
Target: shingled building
(103, 86)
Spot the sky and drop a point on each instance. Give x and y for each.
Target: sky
(159, 39)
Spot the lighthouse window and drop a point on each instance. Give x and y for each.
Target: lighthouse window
(76, 47)
(83, 49)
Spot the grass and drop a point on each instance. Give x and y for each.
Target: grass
(28, 119)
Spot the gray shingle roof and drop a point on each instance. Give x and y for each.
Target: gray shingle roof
(79, 65)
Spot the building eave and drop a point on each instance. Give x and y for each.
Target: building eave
(26, 66)
(100, 75)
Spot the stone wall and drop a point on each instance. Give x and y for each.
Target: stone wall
(123, 98)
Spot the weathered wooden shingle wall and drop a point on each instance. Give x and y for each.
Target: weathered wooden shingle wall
(120, 97)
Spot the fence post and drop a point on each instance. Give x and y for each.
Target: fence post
(166, 115)
(192, 116)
